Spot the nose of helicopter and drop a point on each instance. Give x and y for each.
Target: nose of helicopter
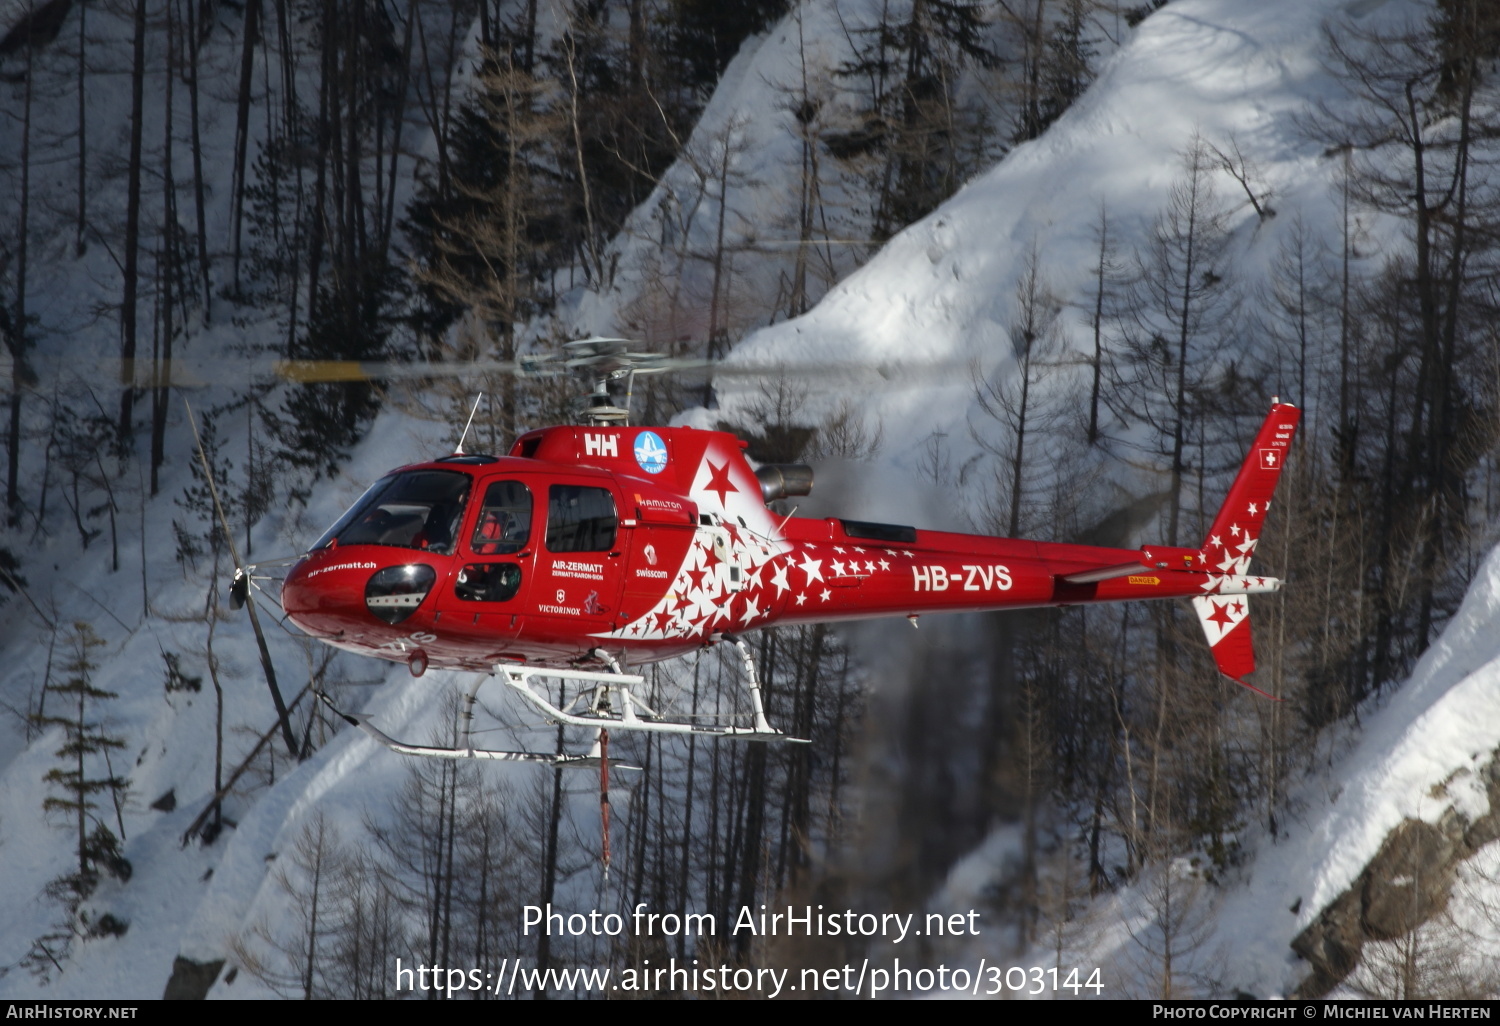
(323, 594)
(302, 603)
(333, 592)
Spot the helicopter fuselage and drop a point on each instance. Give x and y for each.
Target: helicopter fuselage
(639, 544)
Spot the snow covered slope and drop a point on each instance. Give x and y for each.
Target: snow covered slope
(1427, 755)
(942, 292)
(1430, 755)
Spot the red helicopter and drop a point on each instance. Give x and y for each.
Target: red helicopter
(589, 549)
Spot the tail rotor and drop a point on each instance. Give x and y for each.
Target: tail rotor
(239, 592)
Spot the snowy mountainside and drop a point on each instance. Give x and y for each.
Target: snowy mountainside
(1430, 754)
(140, 596)
(942, 292)
(735, 188)
(945, 291)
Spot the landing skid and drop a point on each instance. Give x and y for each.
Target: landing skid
(606, 700)
(602, 701)
(591, 760)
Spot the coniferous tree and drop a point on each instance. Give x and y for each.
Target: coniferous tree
(910, 71)
(77, 781)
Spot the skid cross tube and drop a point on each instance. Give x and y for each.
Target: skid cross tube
(601, 714)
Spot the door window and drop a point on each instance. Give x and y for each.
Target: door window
(488, 582)
(504, 523)
(580, 519)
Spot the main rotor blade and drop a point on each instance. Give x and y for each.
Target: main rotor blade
(188, 373)
(596, 358)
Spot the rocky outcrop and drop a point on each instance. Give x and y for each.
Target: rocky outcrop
(1407, 883)
(190, 980)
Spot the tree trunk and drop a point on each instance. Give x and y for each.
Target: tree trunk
(132, 219)
(242, 127)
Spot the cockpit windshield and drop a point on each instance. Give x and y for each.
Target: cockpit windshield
(420, 509)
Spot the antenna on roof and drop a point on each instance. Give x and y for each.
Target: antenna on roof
(460, 450)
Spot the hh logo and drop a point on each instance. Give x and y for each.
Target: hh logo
(600, 445)
(1270, 459)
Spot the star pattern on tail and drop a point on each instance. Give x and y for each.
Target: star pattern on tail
(1234, 556)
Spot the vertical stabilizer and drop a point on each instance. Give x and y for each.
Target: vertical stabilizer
(1232, 539)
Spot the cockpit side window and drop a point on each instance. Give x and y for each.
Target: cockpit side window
(420, 509)
(504, 523)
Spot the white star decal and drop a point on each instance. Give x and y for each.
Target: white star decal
(838, 548)
(1234, 529)
(813, 569)
(1215, 542)
(1252, 509)
(838, 568)
(778, 578)
(826, 594)
(751, 611)
(703, 605)
(801, 599)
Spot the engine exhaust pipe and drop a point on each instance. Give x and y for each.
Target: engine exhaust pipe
(783, 480)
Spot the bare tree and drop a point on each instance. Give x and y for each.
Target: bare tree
(1012, 401)
(128, 326)
(1180, 308)
(1172, 934)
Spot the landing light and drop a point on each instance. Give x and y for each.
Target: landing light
(394, 593)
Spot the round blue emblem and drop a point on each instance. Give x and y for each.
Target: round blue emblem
(651, 452)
